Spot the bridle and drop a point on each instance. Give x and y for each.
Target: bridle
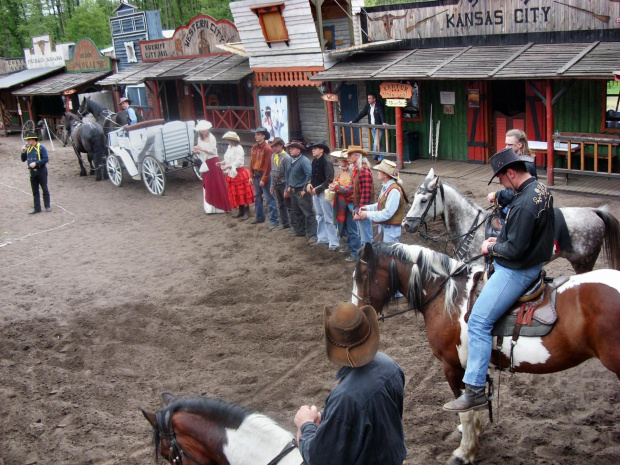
(107, 114)
(177, 455)
(432, 202)
(367, 283)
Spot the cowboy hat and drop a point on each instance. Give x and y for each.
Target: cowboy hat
(321, 145)
(31, 135)
(124, 99)
(388, 167)
(277, 141)
(203, 125)
(351, 334)
(502, 160)
(262, 130)
(356, 149)
(339, 154)
(296, 143)
(231, 135)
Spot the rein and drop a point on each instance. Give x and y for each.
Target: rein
(178, 455)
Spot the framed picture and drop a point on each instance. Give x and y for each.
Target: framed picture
(274, 115)
(413, 110)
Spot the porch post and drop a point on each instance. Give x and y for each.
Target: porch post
(30, 109)
(157, 104)
(550, 124)
(204, 100)
(399, 137)
(330, 119)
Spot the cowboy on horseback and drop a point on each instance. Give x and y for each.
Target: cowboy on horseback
(524, 244)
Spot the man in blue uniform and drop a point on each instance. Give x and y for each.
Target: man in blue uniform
(361, 423)
(523, 245)
(36, 156)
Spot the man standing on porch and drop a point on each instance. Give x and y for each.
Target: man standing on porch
(376, 115)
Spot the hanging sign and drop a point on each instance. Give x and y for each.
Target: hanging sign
(396, 102)
(330, 97)
(473, 98)
(69, 92)
(395, 90)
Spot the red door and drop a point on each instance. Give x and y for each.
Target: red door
(477, 121)
(536, 116)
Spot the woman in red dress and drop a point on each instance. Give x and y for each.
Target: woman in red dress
(240, 191)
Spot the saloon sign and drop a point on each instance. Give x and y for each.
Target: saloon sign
(198, 38)
(395, 90)
(44, 55)
(86, 57)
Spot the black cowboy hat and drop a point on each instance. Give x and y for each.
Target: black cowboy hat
(262, 130)
(31, 135)
(322, 145)
(504, 158)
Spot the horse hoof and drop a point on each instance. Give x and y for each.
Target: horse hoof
(83, 173)
(457, 461)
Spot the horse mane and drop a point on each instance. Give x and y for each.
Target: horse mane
(466, 199)
(426, 265)
(227, 414)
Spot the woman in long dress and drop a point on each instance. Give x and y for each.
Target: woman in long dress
(240, 191)
(214, 191)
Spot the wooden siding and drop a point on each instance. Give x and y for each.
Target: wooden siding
(341, 26)
(303, 48)
(312, 114)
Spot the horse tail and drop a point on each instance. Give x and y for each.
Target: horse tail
(611, 237)
(96, 138)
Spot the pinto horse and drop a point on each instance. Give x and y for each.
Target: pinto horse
(586, 230)
(87, 138)
(205, 431)
(438, 287)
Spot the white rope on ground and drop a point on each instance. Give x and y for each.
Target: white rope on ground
(29, 235)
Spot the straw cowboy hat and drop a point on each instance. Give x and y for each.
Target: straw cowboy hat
(124, 99)
(31, 135)
(388, 167)
(231, 135)
(356, 149)
(297, 144)
(351, 334)
(322, 145)
(262, 130)
(339, 154)
(504, 158)
(277, 141)
(203, 126)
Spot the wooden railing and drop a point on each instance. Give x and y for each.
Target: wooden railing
(591, 146)
(234, 118)
(386, 149)
(147, 113)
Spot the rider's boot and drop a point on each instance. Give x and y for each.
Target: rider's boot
(246, 212)
(474, 398)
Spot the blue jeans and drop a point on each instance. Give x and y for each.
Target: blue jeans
(284, 204)
(326, 232)
(391, 233)
(259, 207)
(502, 290)
(365, 230)
(353, 234)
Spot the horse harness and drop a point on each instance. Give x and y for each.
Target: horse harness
(177, 454)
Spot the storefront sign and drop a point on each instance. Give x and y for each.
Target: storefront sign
(86, 57)
(330, 97)
(198, 38)
(453, 18)
(69, 92)
(395, 90)
(396, 102)
(44, 55)
(11, 65)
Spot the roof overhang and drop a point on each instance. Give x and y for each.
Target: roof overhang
(58, 84)
(26, 75)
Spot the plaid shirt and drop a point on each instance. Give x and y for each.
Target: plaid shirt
(364, 187)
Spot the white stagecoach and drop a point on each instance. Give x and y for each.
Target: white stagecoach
(150, 150)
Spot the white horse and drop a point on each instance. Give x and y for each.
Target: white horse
(588, 228)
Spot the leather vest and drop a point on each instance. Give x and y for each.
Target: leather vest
(399, 214)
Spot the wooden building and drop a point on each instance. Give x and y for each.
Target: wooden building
(483, 67)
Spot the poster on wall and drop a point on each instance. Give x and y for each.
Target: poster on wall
(412, 111)
(274, 115)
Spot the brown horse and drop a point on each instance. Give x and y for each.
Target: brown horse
(205, 431)
(437, 286)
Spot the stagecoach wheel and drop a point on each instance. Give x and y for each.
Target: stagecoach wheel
(153, 175)
(114, 169)
(26, 128)
(196, 167)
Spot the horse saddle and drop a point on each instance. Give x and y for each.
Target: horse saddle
(533, 315)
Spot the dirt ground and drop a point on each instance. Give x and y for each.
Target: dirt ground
(117, 296)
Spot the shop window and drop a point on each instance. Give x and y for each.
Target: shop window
(329, 33)
(272, 23)
(612, 105)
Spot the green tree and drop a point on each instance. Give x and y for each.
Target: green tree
(89, 20)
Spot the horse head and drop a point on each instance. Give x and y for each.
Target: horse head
(83, 108)
(425, 201)
(70, 120)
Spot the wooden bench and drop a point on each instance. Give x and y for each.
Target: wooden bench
(597, 141)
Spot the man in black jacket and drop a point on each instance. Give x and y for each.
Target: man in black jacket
(376, 115)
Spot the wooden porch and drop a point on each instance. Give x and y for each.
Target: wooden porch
(571, 182)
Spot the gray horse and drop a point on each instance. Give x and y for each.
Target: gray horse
(580, 232)
(87, 138)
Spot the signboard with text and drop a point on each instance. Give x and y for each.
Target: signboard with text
(86, 58)
(44, 55)
(198, 38)
(454, 18)
(11, 65)
(395, 90)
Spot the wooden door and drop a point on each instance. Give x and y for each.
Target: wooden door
(477, 121)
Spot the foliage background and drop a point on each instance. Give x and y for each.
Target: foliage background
(70, 20)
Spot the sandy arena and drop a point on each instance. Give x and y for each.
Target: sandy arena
(117, 296)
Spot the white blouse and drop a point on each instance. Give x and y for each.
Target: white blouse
(208, 148)
(233, 157)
